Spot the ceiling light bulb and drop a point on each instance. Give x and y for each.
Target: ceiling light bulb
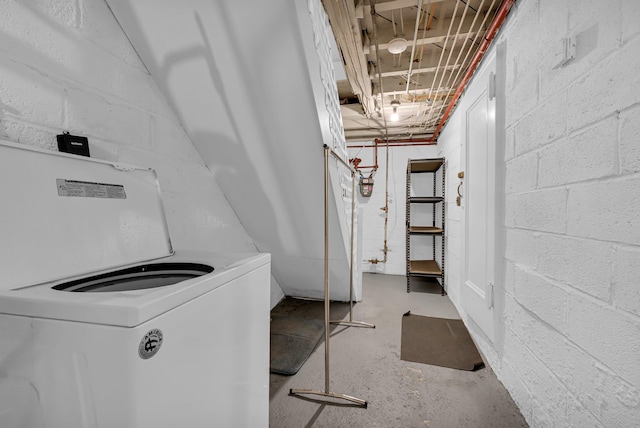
(394, 116)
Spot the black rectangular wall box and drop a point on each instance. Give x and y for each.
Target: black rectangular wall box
(73, 144)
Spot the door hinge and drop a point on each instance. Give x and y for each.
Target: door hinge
(489, 295)
(492, 85)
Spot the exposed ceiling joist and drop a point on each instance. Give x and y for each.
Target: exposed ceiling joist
(363, 10)
(424, 41)
(440, 42)
(344, 23)
(418, 71)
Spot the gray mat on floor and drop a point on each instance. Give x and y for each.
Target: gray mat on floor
(439, 342)
(293, 339)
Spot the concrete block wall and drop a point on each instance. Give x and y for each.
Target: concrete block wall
(373, 216)
(569, 329)
(67, 65)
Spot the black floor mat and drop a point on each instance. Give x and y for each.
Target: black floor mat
(293, 339)
(438, 341)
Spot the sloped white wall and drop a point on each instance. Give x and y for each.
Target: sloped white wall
(243, 80)
(569, 351)
(68, 66)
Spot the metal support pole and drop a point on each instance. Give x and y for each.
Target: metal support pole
(326, 393)
(351, 322)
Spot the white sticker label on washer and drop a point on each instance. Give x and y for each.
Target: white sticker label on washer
(150, 344)
(86, 189)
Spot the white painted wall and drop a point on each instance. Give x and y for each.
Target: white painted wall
(251, 86)
(568, 346)
(68, 66)
(373, 216)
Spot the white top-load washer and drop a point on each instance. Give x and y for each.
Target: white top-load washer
(102, 324)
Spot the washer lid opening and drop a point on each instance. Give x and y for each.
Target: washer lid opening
(73, 216)
(137, 278)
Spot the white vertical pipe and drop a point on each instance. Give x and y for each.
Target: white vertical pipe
(413, 48)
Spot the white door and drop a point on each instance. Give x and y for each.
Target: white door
(479, 108)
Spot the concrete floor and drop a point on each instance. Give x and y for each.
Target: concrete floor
(365, 363)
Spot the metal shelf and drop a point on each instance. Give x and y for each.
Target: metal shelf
(424, 268)
(425, 199)
(425, 230)
(425, 165)
(430, 267)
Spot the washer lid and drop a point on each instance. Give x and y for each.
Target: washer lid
(66, 215)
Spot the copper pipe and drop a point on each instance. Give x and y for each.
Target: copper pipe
(491, 33)
(433, 9)
(375, 159)
(409, 141)
(394, 143)
(410, 144)
(470, 51)
(391, 143)
(475, 61)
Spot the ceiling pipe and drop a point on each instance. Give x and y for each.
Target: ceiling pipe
(451, 78)
(413, 48)
(453, 43)
(491, 33)
(385, 248)
(393, 22)
(470, 50)
(387, 143)
(407, 142)
(442, 52)
(400, 142)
